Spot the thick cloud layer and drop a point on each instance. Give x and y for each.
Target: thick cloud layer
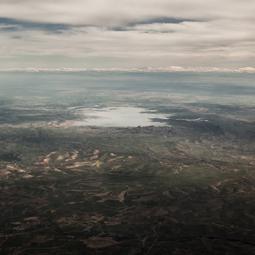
(127, 33)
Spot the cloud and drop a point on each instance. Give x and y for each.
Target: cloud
(127, 34)
(110, 12)
(168, 69)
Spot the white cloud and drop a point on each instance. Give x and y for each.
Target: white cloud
(127, 33)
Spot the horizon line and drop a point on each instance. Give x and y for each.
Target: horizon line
(247, 69)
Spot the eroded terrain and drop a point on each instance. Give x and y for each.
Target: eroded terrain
(125, 191)
(186, 187)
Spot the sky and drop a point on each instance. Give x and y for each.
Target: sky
(127, 34)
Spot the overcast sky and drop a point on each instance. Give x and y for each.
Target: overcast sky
(127, 33)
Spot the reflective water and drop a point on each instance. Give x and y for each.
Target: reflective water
(119, 117)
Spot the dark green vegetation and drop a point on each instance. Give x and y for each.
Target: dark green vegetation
(183, 189)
